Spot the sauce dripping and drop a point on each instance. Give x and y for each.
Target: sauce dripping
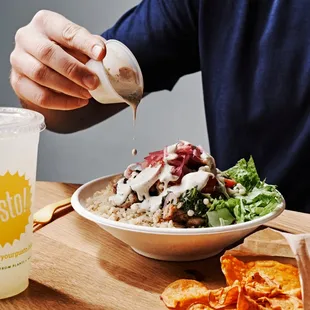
(126, 84)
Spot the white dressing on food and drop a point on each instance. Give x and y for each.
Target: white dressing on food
(142, 181)
(123, 190)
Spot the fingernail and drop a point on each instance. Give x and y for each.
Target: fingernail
(97, 50)
(91, 81)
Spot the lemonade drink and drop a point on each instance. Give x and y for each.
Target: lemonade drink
(19, 137)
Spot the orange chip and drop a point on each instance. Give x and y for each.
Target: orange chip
(257, 286)
(246, 303)
(285, 275)
(182, 293)
(206, 307)
(295, 293)
(199, 307)
(261, 279)
(284, 302)
(233, 269)
(221, 298)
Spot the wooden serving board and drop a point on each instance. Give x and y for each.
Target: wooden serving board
(77, 265)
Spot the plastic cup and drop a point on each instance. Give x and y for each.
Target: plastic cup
(19, 138)
(118, 56)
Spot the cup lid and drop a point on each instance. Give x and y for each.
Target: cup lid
(19, 121)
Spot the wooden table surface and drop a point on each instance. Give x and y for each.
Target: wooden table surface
(77, 265)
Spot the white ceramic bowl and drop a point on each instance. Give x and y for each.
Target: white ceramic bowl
(169, 244)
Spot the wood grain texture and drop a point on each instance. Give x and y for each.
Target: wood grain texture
(77, 265)
(292, 222)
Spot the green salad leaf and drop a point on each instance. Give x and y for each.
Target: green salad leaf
(259, 199)
(244, 173)
(259, 202)
(221, 217)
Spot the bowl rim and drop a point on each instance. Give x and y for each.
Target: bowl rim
(78, 207)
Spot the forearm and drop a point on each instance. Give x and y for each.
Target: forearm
(76, 120)
(168, 26)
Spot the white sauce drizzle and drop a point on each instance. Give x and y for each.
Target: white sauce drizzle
(197, 179)
(143, 181)
(204, 156)
(166, 176)
(170, 152)
(189, 181)
(123, 190)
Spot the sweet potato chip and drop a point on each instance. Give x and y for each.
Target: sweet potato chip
(285, 275)
(295, 293)
(206, 307)
(199, 307)
(261, 279)
(223, 297)
(182, 293)
(246, 302)
(257, 286)
(284, 302)
(233, 269)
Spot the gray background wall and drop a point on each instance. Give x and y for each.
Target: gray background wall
(163, 117)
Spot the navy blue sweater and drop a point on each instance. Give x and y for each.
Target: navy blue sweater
(254, 56)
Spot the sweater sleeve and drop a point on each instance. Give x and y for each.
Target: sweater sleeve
(163, 36)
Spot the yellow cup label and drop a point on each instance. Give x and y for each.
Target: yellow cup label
(15, 207)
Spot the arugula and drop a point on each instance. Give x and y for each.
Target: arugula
(245, 173)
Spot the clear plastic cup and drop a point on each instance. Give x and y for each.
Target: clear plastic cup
(120, 75)
(19, 138)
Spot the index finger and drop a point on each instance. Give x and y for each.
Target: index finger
(68, 34)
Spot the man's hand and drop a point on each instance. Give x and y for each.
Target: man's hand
(48, 62)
